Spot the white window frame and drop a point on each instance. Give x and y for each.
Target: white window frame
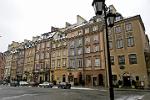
(97, 62)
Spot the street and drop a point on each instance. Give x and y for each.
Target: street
(36, 93)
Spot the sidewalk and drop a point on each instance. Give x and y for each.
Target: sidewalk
(146, 97)
(103, 88)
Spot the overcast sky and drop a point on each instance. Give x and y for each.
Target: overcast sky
(22, 19)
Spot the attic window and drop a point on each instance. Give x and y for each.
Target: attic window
(79, 32)
(95, 28)
(87, 30)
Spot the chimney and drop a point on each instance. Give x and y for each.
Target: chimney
(112, 9)
(54, 29)
(68, 24)
(80, 20)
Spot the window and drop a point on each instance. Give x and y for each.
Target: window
(119, 43)
(37, 56)
(53, 45)
(79, 63)
(53, 54)
(47, 55)
(130, 41)
(72, 44)
(87, 49)
(97, 62)
(58, 44)
(47, 65)
(58, 62)
(96, 38)
(86, 30)
(112, 60)
(58, 53)
(80, 42)
(53, 63)
(79, 51)
(132, 59)
(118, 29)
(64, 43)
(38, 46)
(96, 48)
(87, 40)
(118, 18)
(64, 52)
(95, 28)
(48, 44)
(72, 52)
(110, 45)
(88, 62)
(42, 45)
(64, 62)
(128, 27)
(42, 56)
(79, 32)
(72, 63)
(121, 60)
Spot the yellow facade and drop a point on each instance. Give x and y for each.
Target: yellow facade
(137, 71)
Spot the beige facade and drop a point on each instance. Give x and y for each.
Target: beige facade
(127, 47)
(77, 53)
(13, 49)
(7, 69)
(86, 51)
(42, 58)
(29, 61)
(2, 65)
(59, 58)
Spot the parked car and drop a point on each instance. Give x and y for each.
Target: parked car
(46, 85)
(14, 83)
(23, 83)
(64, 85)
(1, 82)
(34, 84)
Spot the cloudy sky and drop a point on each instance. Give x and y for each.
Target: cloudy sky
(22, 19)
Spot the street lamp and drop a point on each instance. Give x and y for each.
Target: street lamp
(109, 17)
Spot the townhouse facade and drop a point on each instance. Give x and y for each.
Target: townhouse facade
(77, 54)
(2, 66)
(29, 48)
(128, 45)
(7, 69)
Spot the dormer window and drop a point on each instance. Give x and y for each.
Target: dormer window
(118, 18)
(80, 32)
(95, 28)
(86, 30)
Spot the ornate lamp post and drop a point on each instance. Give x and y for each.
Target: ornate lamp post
(101, 9)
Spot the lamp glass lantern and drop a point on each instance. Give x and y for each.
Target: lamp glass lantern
(110, 19)
(98, 6)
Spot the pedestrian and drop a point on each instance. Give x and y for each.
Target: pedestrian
(142, 84)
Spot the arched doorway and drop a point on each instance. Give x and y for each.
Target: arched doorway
(64, 78)
(126, 80)
(70, 78)
(100, 78)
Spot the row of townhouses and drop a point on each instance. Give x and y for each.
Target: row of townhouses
(77, 54)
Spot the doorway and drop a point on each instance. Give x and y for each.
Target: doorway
(100, 78)
(126, 81)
